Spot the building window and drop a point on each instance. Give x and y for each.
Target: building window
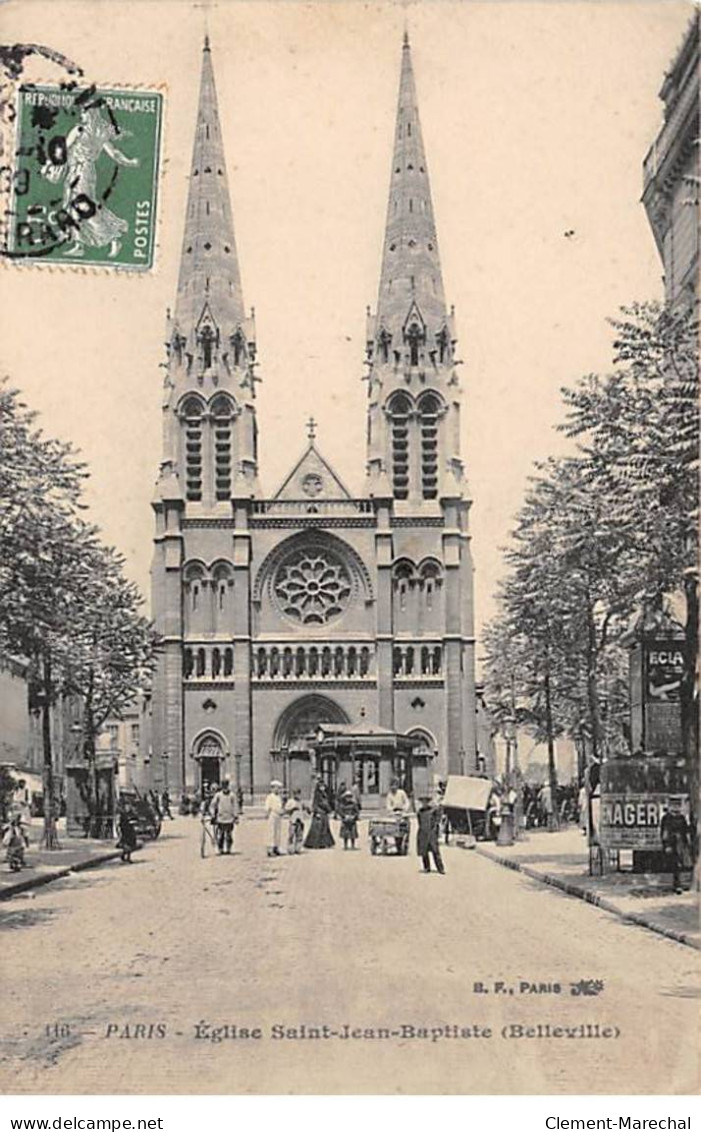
(428, 415)
(192, 414)
(221, 418)
(228, 662)
(399, 414)
(188, 664)
(312, 585)
(201, 666)
(135, 733)
(216, 663)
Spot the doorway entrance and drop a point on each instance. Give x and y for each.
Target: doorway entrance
(210, 773)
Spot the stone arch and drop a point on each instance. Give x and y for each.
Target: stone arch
(302, 716)
(425, 739)
(210, 739)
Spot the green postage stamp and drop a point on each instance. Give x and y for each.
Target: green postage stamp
(85, 181)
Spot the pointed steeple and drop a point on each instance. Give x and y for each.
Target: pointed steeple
(209, 284)
(210, 430)
(413, 430)
(411, 282)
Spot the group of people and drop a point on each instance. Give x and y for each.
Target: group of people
(345, 807)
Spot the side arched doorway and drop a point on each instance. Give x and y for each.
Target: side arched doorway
(210, 751)
(423, 761)
(290, 755)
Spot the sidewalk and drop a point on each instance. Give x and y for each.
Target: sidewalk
(44, 866)
(562, 860)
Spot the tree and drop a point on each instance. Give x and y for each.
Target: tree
(638, 429)
(64, 602)
(113, 649)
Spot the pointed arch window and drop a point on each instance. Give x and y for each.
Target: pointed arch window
(221, 422)
(428, 418)
(192, 416)
(400, 409)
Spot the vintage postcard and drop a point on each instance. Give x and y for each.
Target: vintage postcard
(348, 528)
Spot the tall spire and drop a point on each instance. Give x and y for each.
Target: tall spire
(209, 270)
(411, 268)
(413, 445)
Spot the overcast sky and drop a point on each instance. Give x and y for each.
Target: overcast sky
(536, 119)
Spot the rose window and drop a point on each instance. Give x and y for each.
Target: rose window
(313, 586)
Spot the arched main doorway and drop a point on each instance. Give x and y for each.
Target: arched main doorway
(290, 753)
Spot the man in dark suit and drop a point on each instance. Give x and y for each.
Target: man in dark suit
(676, 842)
(429, 817)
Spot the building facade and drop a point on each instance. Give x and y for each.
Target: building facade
(310, 605)
(671, 174)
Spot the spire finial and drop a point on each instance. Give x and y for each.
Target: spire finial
(206, 42)
(405, 41)
(311, 428)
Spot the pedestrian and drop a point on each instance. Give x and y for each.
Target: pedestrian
(273, 812)
(127, 833)
(348, 812)
(493, 814)
(319, 835)
(427, 835)
(676, 841)
(155, 803)
(224, 814)
(294, 812)
(15, 841)
(165, 805)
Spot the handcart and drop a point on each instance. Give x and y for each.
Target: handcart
(391, 830)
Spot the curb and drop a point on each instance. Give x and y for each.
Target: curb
(589, 898)
(20, 886)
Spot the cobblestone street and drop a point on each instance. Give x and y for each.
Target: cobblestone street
(111, 975)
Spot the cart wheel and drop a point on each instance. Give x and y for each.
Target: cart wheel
(404, 847)
(373, 846)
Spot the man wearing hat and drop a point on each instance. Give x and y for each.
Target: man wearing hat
(273, 812)
(429, 818)
(676, 842)
(224, 812)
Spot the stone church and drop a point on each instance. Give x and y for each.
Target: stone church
(311, 612)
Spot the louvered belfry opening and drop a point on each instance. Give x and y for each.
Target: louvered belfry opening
(428, 416)
(400, 411)
(221, 424)
(192, 415)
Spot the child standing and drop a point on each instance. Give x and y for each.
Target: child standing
(348, 812)
(294, 812)
(15, 841)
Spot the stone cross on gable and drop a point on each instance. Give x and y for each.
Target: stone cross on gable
(311, 428)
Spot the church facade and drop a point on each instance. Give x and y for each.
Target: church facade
(311, 606)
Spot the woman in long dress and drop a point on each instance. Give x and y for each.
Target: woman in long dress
(319, 835)
(85, 144)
